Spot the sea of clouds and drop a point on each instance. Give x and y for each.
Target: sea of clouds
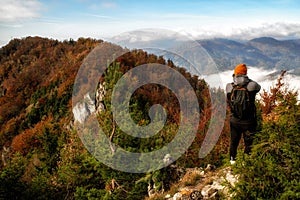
(266, 78)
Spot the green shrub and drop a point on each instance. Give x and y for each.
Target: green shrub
(272, 169)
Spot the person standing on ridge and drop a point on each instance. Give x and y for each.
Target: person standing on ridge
(241, 99)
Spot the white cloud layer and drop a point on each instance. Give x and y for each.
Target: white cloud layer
(265, 78)
(277, 30)
(15, 10)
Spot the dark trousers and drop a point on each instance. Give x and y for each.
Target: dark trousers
(237, 130)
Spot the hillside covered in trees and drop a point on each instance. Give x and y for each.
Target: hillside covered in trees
(42, 153)
(44, 158)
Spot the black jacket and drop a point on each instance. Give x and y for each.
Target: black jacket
(253, 88)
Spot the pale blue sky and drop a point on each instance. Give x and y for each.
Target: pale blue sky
(106, 18)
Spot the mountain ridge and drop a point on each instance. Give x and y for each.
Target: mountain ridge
(41, 151)
(263, 52)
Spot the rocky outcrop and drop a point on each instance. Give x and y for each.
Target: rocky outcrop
(82, 110)
(208, 183)
(100, 94)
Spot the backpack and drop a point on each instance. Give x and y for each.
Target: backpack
(240, 105)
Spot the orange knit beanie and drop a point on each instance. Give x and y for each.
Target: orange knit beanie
(240, 69)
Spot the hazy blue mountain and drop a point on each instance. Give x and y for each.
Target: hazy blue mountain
(285, 54)
(264, 52)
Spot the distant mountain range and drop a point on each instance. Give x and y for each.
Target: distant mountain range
(264, 52)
